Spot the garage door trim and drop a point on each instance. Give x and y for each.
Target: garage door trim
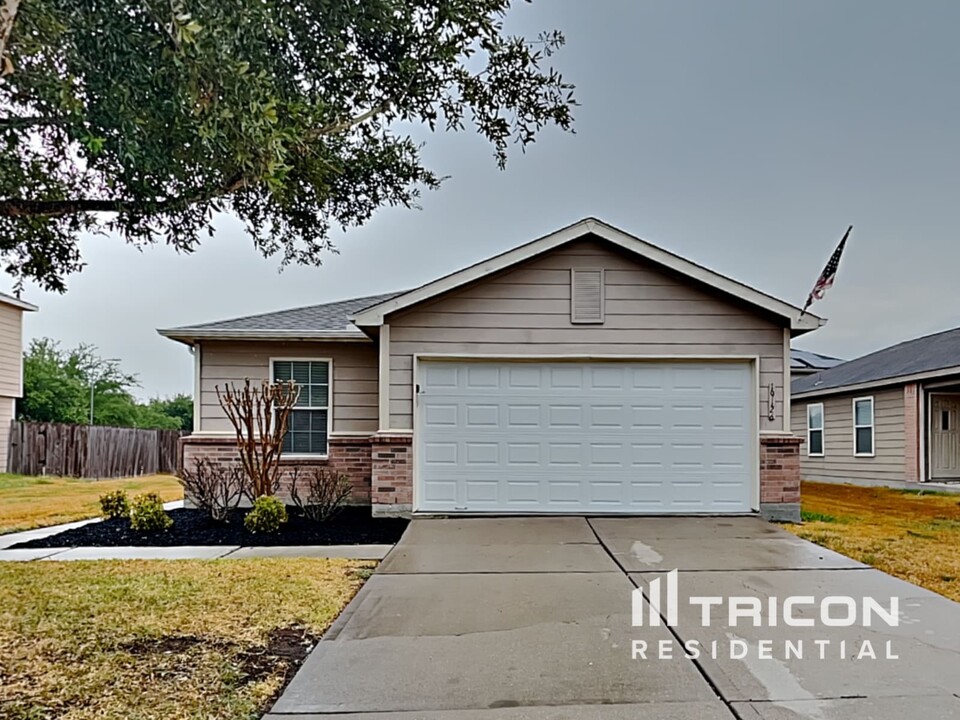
(752, 360)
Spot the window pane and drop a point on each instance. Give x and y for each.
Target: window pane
(319, 373)
(864, 440)
(816, 442)
(815, 417)
(318, 395)
(944, 419)
(301, 442)
(282, 371)
(863, 411)
(299, 420)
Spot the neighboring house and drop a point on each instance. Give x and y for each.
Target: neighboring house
(891, 415)
(586, 371)
(804, 362)
(11, 365)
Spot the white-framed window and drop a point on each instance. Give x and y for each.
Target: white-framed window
(815, 430)
(863, 427)
(308, 429)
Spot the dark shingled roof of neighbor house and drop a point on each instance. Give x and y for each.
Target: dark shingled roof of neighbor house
(925, 354)
(806, 360)
(312, 318)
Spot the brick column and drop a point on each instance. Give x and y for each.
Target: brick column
(391, 456)
(911, 432)
(780, 477)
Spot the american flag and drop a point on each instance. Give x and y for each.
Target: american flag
(825, 281)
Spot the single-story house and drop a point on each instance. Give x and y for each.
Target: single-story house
(804, 362)
(11, 366)
(587, 371)
(891, 415)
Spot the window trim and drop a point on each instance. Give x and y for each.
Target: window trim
(821, 429)
(329, 408)
(872, 426)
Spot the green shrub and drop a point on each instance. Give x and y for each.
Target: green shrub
(266, 516)
(114, 505)
(147, 513)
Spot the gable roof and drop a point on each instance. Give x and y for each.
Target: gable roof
(326, 321)
(928, 356)
(811, 361)
(799, 323)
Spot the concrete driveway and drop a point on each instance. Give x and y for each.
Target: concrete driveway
(514, 618)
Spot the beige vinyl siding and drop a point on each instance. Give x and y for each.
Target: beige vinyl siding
(11, 350)
(838, 461)
(526, 311)
(7, 412)
(354, 394)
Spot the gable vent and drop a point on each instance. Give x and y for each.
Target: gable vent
(586, 296)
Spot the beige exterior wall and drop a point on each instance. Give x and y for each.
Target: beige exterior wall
(11, 350)
(838, 462)
(526, 311)
(354, 392)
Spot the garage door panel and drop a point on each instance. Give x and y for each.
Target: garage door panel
(591, 437)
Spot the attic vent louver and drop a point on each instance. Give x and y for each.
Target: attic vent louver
(586, 296)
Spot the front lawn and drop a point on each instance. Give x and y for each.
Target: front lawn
(161, 639)
(31, 502)
(914, 536)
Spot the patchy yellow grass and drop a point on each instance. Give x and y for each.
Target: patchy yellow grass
(31, 502)
(160, 639)
(913, 536)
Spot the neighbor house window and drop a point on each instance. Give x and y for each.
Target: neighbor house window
(310, 419)
(815, 430)
(863, 427)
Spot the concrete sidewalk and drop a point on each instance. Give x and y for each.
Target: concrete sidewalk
(196, 552)
(199, 552)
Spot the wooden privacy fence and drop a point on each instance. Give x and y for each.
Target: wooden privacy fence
(90, 451)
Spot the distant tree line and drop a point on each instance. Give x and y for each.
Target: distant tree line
(57, 383)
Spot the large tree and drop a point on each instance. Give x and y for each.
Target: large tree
(145, 117)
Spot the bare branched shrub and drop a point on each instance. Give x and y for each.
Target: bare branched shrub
(215, 488)
(259, 416)
(324, 492)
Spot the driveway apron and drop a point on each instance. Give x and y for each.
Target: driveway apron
(510, 618)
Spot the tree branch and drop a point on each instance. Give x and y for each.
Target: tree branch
(17, 207)
(8, 13)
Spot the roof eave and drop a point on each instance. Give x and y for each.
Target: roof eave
(800, 322)
(190, 335)
(18, 303)
(873, 384)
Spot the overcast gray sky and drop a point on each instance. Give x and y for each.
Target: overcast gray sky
(743, 135)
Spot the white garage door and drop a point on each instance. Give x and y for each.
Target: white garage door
(627, 437)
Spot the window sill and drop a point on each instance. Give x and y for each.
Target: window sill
(815, 455)
(303, 456)
(864, 455)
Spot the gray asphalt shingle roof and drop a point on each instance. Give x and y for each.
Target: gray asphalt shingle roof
(312, 318)
(811, 360)
(925, 354)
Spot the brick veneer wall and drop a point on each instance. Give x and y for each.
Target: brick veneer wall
(391, 456)
(349, 456)
(780, 477)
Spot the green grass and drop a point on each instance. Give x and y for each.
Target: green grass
(171, 640)
(32, 502)
(810, 516)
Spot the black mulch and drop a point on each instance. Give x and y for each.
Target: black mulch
(352, 526)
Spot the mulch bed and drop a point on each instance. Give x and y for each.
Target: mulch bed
(352, 526)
